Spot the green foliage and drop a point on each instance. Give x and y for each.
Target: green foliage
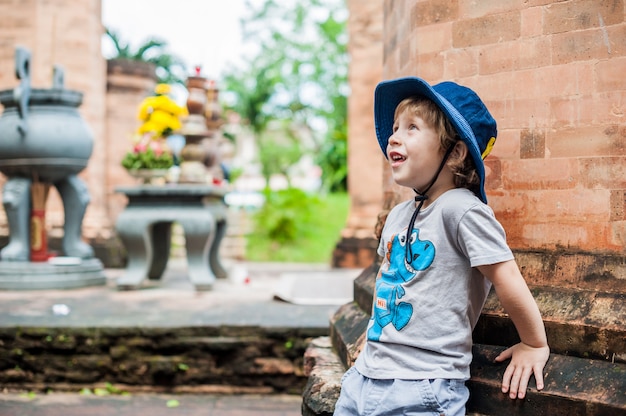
(107, 390)
(147, 160)
(297, 227)
(169, 68)
(30, 395)
(285, 213)
(278, 154)
(172, 403)
(297, 74)
(332, 158)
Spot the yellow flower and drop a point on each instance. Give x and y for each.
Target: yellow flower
(162, 89)
(160, 114)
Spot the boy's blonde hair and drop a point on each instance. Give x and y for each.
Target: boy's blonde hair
(464, 170)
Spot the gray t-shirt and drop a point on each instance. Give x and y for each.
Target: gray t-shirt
(424, 312)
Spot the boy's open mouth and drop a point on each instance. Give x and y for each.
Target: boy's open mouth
(396, 158)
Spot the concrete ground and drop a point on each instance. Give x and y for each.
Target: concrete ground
(74, 404)
(249, 298)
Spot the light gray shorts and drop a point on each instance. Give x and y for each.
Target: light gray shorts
(370, 397)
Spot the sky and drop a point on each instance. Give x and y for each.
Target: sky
(200, 32)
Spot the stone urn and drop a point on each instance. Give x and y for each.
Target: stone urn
(43, 138)
(43, 141)
(43, 135)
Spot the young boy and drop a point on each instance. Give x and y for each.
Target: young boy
(442, 252)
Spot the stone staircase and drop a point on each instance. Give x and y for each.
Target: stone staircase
(586, 373)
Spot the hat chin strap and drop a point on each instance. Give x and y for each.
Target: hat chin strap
(420, 198)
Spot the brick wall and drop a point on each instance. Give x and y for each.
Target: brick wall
(128, 83)
(357, 246)
(552, 74)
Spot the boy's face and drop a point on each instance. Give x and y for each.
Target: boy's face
(413, 151)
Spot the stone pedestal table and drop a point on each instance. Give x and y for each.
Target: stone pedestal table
(145, 230)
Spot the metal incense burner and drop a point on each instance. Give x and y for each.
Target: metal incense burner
(44, 140)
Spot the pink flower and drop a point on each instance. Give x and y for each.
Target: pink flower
(156, 148)
(140, 147)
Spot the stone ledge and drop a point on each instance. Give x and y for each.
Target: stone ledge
(236, 358)
(324, 371)
(574, 386)
(582, 323)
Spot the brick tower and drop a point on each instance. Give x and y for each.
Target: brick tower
(552, 75)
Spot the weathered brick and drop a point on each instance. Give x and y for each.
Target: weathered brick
(472, 9)
(430, 66)
(617, 235)
(582, 45)
(588, 141)
(584, 235)
(609, 107)
(575, 15)
(429, 12)
(460, 63)
(547, 82)
(507, 144)
(618, 205)
(521, 113)
(570, 112)
(611, 74)
(485, 30)
(533, 174)
(405, 52)
(493, 173)
(603, 173)
(532, 22)
(520, 54)
(532, 144)
(577, 204)
(432, 38)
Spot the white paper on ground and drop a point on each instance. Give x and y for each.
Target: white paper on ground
(333, 287)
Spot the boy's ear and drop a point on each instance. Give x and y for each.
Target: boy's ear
(460, 150)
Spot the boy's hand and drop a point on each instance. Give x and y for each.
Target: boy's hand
(525, 361)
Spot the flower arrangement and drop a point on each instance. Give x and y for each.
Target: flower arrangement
(160, 117)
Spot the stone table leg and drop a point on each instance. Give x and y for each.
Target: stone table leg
(199, 226)
(218, 210)
(161, 238)
(132, 228)
(16, 202)
(214, 261)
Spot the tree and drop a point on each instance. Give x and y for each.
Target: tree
(298, 74)
(169, 68)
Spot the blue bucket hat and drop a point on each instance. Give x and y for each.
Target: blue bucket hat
(465, 110)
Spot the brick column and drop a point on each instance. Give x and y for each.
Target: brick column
(357, 247)
(128, 83)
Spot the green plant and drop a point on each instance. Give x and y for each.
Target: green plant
(312, 236)
(147, 159)
(284, 214)
(297, 76)
(169, 68)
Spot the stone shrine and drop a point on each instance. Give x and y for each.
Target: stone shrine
(44, 142)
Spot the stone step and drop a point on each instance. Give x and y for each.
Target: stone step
(573, 386)
(232, 358)
(581, 323)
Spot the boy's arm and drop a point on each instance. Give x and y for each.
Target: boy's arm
(529, 356)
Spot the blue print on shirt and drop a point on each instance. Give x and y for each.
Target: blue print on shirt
(387, 309)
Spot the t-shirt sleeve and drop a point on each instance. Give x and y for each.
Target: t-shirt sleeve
(482, 238)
